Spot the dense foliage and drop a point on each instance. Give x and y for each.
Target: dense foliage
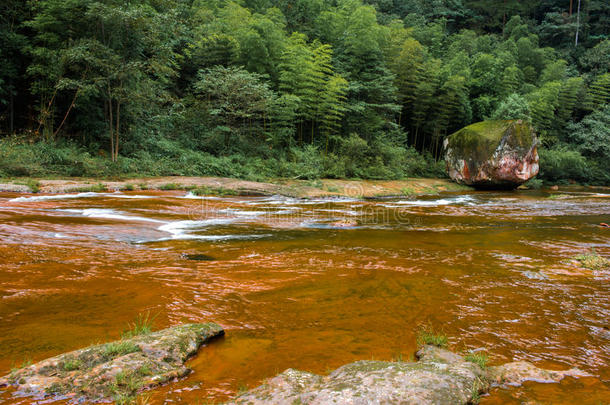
(300, 88)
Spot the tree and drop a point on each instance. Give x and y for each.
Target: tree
(12, 42)
(512, 78)
(283, 112)
(332, 107)
(596, 60)
(592, 135)
(543, 103)
(599, 92)
(424, 100)
(408, 70)
(235, 99)
(452, 110)
(570, 97)
(514, 107)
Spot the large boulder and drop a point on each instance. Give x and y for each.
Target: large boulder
(492, 154)
(113, 371)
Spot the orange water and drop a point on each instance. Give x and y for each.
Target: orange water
(492, 270)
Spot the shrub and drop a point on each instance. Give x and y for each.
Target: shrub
(562, 164)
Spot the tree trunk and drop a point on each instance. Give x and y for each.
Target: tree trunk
(12, 114)
(577, 24)
(312, 127)
(117, 131)
(111, 128)
(67, 113)
(300, 124)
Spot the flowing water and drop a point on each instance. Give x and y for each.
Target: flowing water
(293, 288)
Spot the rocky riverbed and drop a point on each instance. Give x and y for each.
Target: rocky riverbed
(120, 370)
(438, 377)
(114, 371)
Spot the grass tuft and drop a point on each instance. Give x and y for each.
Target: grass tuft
(142, 325)
(593, 261)
(170, 186)
(33, 185)
(400, 358)
(71, 364)
(407, 191)
(120, 348)
(480, 358)
(95, 188)
(242, 389)
(428, 336)
(200, 191)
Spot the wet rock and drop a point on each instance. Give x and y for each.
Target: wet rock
(517, 372)
(14, 188)
(198, 257)
(344, 223)
(535, 275)
(116, 370)
(439, 377)
(492, 154)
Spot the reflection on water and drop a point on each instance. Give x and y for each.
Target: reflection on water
(296, 288)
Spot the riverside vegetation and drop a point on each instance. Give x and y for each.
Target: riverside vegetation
(304, 89)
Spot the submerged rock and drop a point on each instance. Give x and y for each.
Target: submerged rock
(200, 257)
(344, 223)
(439, 377)
(492, 154)
(517, 372)
(116, 370)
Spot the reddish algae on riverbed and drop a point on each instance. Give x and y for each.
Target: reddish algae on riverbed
(492, 270)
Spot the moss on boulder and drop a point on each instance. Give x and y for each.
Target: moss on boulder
(116, 370)
(492, 154)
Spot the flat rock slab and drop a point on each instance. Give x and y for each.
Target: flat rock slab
(116, 370)
(439, 377)
(517, 372)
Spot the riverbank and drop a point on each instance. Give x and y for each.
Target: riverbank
(229, 186)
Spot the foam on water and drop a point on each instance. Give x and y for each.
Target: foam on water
(53, 197)
(209, 237)
(465, 199)
(241, 213)
(109, 214)
(191, 196)
(76, 195)
(180, 229)
(289, 201)
(128, 196)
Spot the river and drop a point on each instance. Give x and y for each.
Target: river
(295, 288)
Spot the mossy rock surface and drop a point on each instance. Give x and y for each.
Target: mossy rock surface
(492, 154)
(439, 377)
(114, 371)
